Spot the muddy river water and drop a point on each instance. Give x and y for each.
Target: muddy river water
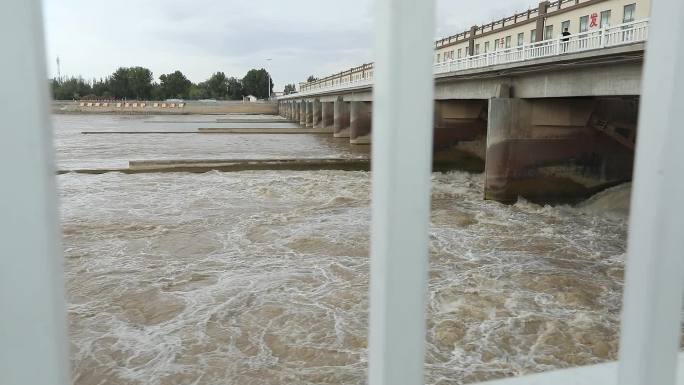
(261, 277)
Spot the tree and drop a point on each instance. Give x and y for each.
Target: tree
(175, 85)
(139, 83)
(235, 89)
(71, 88)
(101, 88)
(198, 91)
(157, 92)
(289, 89)
(129, 82)
(311, 79)
(217, 86)
(118, 83)
(257, 83)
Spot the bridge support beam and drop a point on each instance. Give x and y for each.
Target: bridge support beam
(308, 109)
(295, 112)
(327, 116)
(360, 127)
(460, 134)
(302, 113)
(558, 150)
(317, 114)
(342, 119)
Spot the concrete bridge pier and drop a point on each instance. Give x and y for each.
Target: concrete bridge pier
(327, 116)
(341, 119)
(317, 114)
(360, 123)
(308, 109)
(558, 149)
(295, 112)
(302, 113)
(460, 133)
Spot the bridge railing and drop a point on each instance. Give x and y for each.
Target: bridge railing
(622, 34)
(627, 33)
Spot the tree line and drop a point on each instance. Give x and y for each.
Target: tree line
(138, 83)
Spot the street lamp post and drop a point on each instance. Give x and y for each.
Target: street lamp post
(268, 85)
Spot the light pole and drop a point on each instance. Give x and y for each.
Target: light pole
(268, 85)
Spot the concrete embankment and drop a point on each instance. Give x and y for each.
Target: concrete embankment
(162, 108)
(262, 130)
(231, 165)
(219, 130)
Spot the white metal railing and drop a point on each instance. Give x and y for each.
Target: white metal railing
(33, 338)
(623, 34)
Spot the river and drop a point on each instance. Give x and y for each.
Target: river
(261, 277)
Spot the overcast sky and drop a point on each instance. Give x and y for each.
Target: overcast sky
(200, 37)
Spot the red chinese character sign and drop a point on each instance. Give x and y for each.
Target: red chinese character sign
(594, 22)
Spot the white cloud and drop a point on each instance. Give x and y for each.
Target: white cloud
(302, 37)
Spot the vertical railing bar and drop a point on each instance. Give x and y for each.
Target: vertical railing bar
(32, 307)
(401, 180)
(654, 280)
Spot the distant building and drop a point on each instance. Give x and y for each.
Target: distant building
(249, 98)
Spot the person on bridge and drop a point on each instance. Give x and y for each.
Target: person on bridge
(565, 39)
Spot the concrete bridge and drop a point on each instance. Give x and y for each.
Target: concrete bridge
(551, 121)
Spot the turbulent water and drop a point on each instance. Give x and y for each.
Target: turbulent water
(261, 277)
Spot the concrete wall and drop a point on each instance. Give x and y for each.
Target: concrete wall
(317, 114)
(328, 116)
(308, 109)
(463, 46)
(524, 28)
(342, 119)
(361, 120)
(552, 150)
(555, 18)
(460, 134)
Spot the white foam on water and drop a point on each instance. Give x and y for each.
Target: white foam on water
(262, 278)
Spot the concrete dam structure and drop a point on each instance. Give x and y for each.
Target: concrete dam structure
(551, 121)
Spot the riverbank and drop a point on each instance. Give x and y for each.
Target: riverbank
(163, 108)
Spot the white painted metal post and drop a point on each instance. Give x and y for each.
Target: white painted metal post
(402, 154)
(32, 307)
(654, 280)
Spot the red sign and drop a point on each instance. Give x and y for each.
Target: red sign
(594, 22)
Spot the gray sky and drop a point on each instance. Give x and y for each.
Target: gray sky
(302, 37)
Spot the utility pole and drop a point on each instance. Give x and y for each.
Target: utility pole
(59, 72)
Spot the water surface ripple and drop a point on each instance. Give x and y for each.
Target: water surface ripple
(261, 277)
